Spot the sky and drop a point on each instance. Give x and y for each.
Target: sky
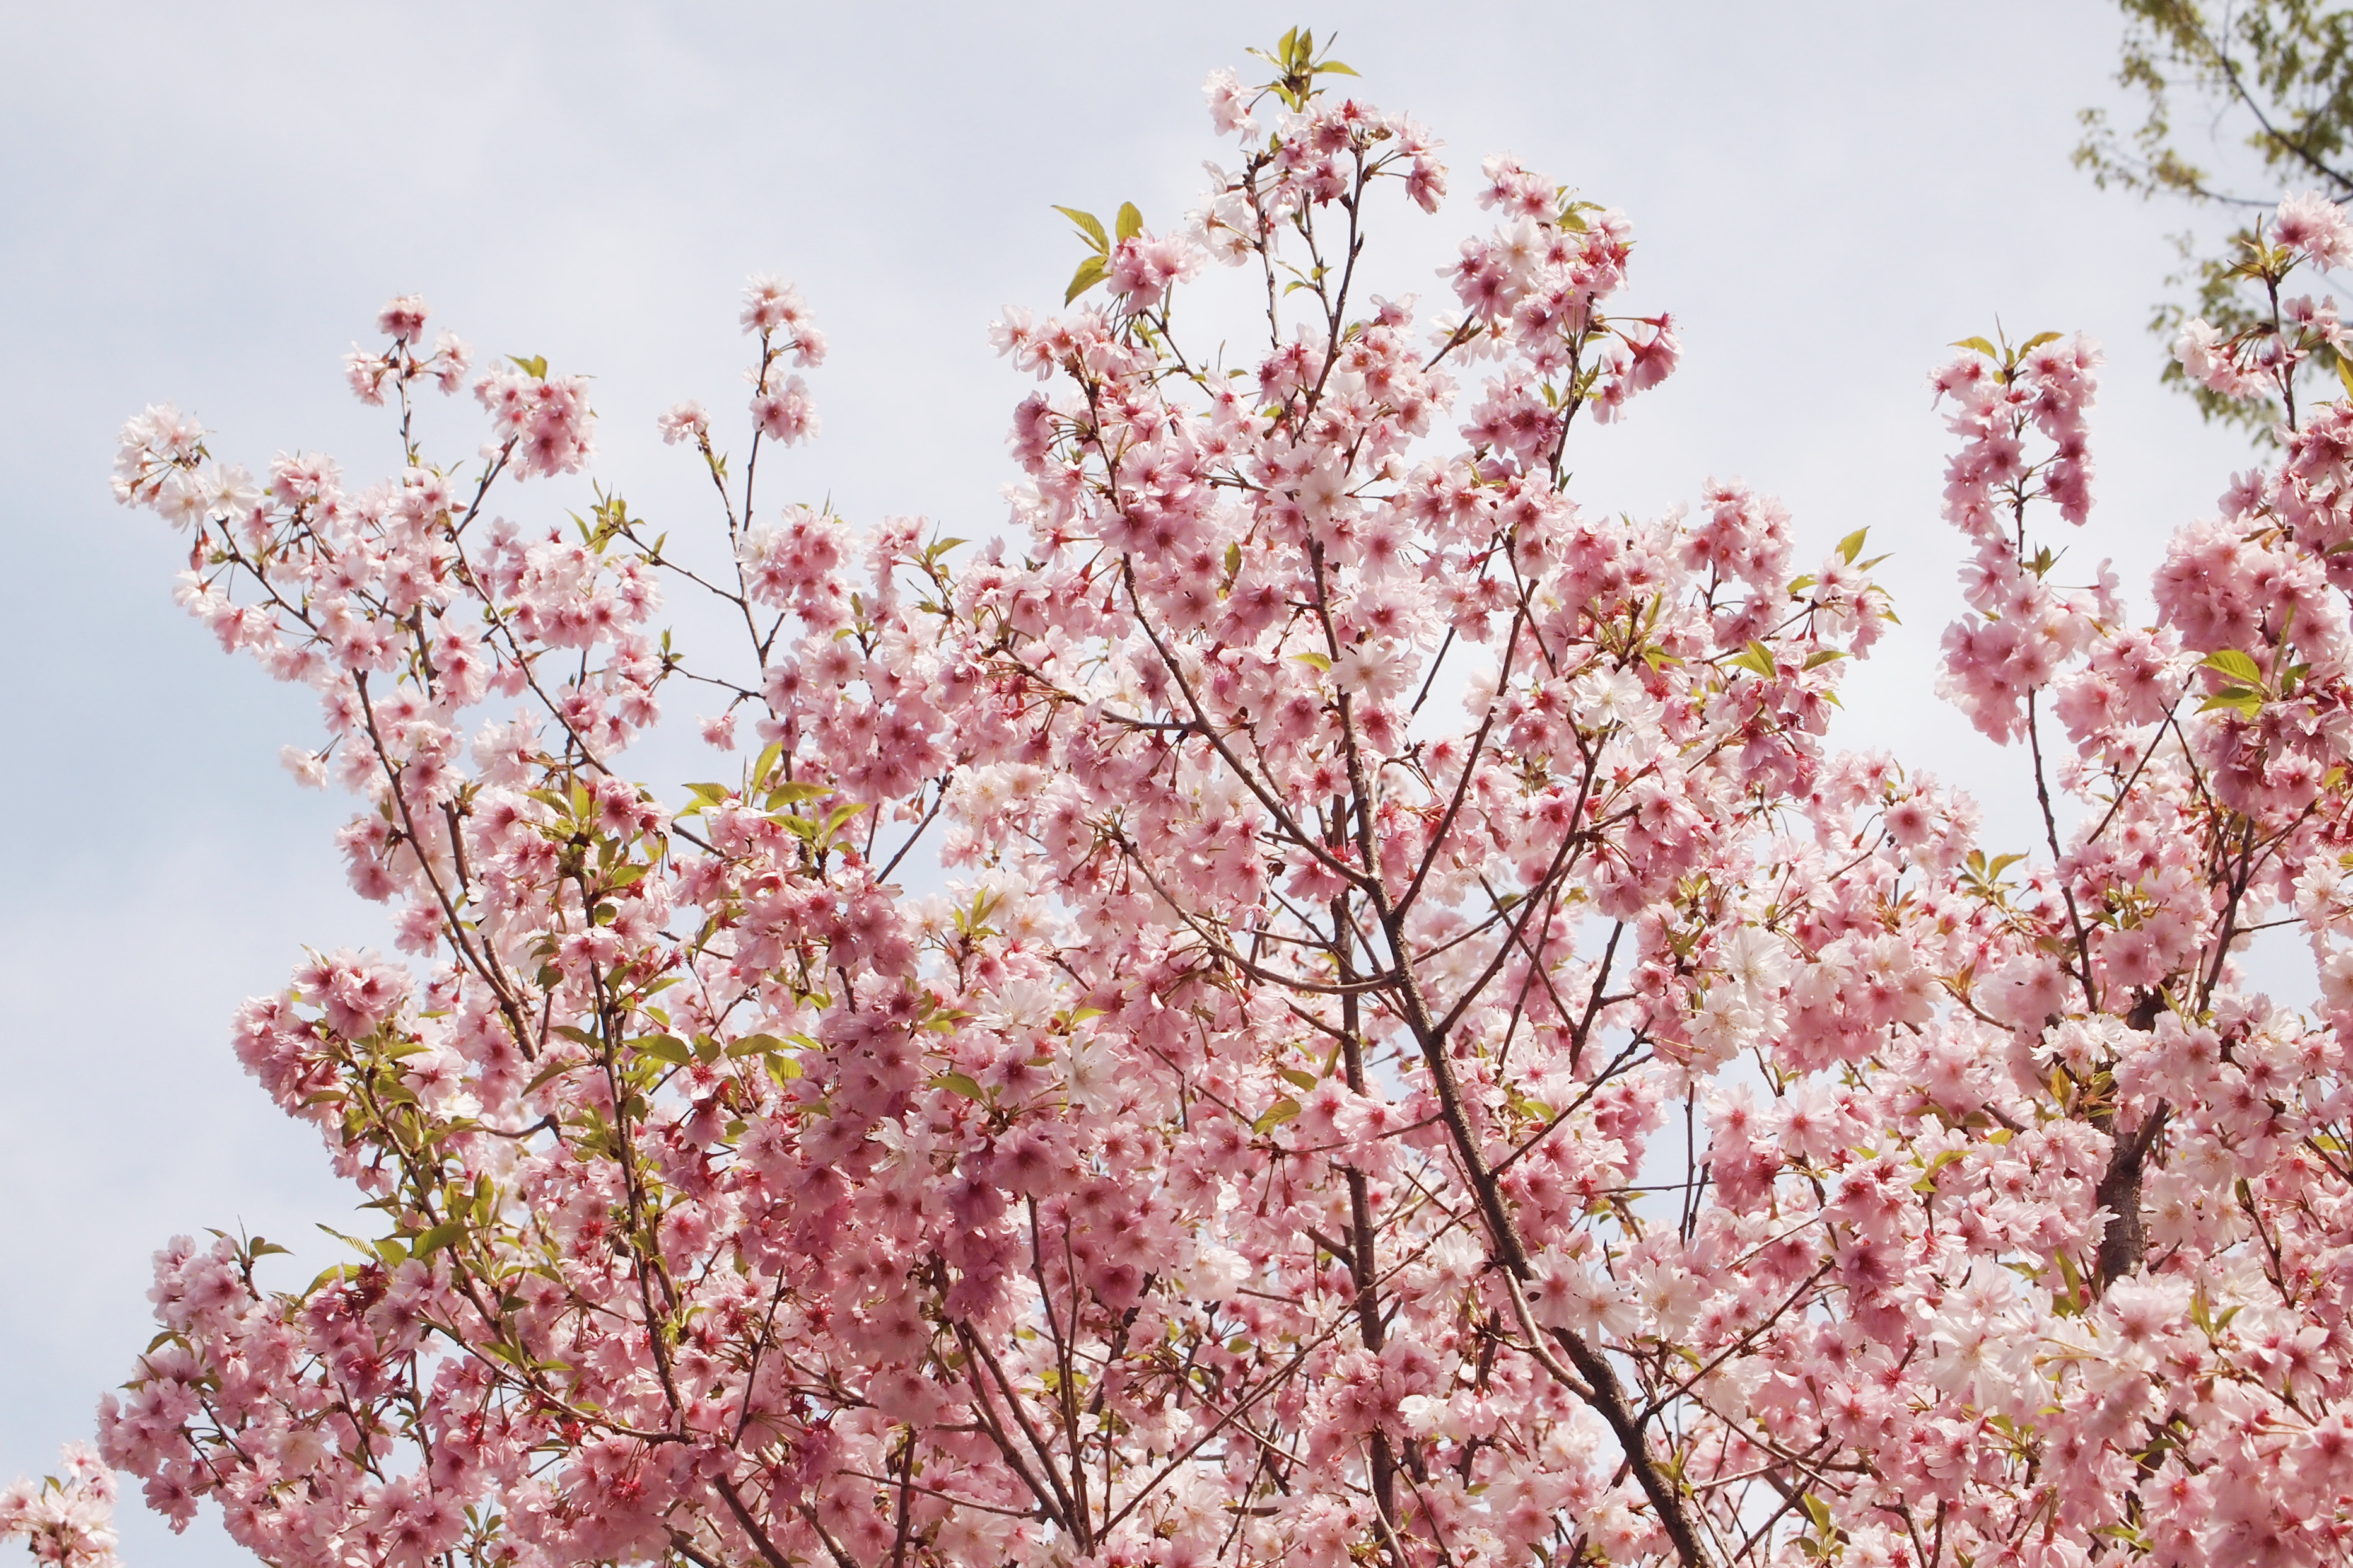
(207, 204)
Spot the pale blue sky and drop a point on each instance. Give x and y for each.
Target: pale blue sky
(207, 203)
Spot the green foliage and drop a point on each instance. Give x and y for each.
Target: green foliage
(2274, 77)
(1297, 68)
(1096, 266)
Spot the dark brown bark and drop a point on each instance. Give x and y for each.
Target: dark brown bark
(2125, 1244)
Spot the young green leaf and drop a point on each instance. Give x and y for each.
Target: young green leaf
(663, 1047)
(2248, 704)
(962, 1084)
(2238, 666)
(448, 1233)
(1090, 273)
(1280, 1111)
(1091, 227)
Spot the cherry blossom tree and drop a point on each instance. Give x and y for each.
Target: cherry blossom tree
(1425, 1056)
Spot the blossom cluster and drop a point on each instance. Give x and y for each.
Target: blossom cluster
(403, 322)
(66, 1522)
(1423, 1054)
(2023, 628)
(2258, 360)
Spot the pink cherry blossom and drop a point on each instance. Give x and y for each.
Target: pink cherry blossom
(2315, 228)
(1417, 1048)
(67, 1522)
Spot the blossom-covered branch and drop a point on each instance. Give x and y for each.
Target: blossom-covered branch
(1424, 1057)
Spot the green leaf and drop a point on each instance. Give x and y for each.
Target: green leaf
(552, 1069)
(962, 1084)
(331, 1272)
(2345, 374)
(536, 366)
(2238, 666)
(2071, 1304)
(1824, 656)
(365, 1249)
(754, 1045)
(507, 1353)
(1336, 68)
(1280, 1111)
(1129, 222)
(1090, 273)
(1296, 1079)
(2036, 341)
(1756, 656)
(448, 1233)
(1852, 545)
(794, 792)
(1979, 345)
(1090, 226)
(2248, 703)
(663, 1047)
(1316, 659)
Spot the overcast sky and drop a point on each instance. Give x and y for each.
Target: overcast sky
(207, 204)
